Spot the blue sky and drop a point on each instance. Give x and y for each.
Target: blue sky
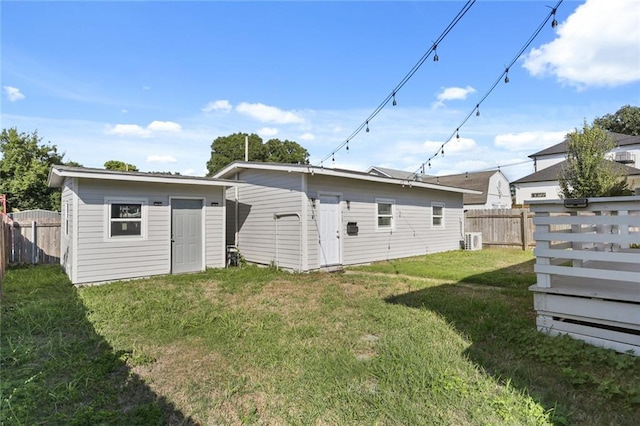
(154, 83)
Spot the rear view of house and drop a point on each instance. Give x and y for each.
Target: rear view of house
(307, 218)
(122, 225)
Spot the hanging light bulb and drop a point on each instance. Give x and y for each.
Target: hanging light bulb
(394, 103)
(457, 134)
(506, 77)
(429, 163)
(435, 53)
(478, 110)
(422, 168)
(347, 145)
(554, 23)
(442, 152)
(367, 129)
(333, 158)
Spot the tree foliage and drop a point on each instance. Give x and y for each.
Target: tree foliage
(24, 171)
(227, 149)
(625, 121)
(587, 172)
(120, 165)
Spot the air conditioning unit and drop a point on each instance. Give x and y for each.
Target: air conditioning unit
(473, 241)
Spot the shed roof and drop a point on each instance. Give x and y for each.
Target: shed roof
(232, 168)
(561, 148)
(59, 172)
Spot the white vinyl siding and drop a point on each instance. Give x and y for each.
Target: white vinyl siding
(66, 245)
(272, 201)
(101, 259)
(412, 235)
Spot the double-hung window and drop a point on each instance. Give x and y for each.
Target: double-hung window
(437, 215)
(385, 214)
(126, 218)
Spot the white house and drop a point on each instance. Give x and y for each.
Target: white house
(543, 183)
(305, 218)
(492, 186)
(122, 225)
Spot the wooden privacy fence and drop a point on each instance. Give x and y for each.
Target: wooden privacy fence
(31, 237)
(502, 227)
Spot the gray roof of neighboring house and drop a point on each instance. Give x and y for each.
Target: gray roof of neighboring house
(478, 181)
(551, 173)
(560, 148)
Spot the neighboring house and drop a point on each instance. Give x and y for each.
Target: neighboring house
(305, 218)
(543, 183)
(493, 186)
(121, 225)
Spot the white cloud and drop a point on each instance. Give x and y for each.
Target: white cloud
(268, 131)
(161, 159)
(218, 106)
(124, 111)
(268, 114)
(13, 93)
(164, 126)
(596, 46)
(528, 141)
(453, 94)
(307, 137)
(135, 130)
(128, 130)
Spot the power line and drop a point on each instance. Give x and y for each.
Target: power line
(405, 79)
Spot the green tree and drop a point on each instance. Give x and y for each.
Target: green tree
(587, 172)
(626, 121)
(24, 171)
(227, 149)
(120, 165)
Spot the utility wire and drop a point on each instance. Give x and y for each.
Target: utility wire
(504, 75)
(405, 79)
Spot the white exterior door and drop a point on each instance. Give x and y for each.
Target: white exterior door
(329, 223)
(186, 236)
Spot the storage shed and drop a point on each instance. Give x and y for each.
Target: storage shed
(305, 218)
(121, 225)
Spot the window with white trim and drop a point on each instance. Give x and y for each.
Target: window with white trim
(385, 210)
(126, 218)
(437, 215)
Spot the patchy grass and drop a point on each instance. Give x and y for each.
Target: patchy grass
(257, 346)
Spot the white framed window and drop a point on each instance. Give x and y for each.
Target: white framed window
(126, 218)
(437, 215)
(385, 214)
(538, 195)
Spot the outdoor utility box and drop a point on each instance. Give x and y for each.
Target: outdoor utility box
(352, 228)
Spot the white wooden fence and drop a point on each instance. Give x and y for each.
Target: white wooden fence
(588, 270)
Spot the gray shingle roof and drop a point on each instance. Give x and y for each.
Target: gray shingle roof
(551, 173)
(620, 139)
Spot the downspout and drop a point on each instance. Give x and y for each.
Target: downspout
(277, 216)
(235, 215)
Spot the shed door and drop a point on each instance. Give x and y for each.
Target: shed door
(329, 223)
(186, 236)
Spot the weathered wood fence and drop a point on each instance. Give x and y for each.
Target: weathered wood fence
(502, 227)
(30, 237)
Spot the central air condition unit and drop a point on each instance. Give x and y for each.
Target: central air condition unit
(473, 241)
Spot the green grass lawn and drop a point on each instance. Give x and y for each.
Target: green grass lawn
(441, 339)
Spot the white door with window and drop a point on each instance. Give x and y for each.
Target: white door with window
(329, 224)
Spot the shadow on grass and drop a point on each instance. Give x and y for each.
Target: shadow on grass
(56, 369)
(577, 383)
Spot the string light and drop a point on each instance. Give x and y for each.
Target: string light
(391, 97)
(435, 53)
(504, 73)
(367, 126)
(347, 145)
(554, 23)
